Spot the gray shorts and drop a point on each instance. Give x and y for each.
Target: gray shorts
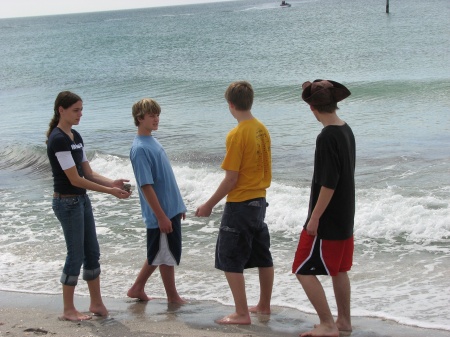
(244, 240)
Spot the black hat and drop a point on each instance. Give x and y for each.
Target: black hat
(324, 92)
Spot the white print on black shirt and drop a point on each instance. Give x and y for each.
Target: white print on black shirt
(76, 146)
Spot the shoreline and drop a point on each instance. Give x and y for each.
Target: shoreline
(29, 314)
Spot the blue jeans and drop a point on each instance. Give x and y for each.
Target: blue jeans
(77, 221)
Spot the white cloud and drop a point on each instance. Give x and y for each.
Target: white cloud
(21, 8)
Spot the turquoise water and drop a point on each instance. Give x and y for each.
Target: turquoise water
(396, 66)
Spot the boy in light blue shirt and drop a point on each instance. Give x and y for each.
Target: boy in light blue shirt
(161, 203)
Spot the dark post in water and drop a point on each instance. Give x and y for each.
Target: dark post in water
(387, 6)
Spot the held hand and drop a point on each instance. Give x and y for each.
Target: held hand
(312, 226)
(119, 193)
(119, 182)
(165, 225)
(203, 210)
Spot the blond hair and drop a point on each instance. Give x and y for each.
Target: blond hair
(143, 107)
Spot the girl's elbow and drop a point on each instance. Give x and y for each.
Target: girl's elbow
(77, 182)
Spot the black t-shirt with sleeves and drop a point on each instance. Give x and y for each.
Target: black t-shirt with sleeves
(59, 141)
(334, 168)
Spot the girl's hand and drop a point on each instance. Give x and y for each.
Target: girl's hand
(120, 193)
(119, 183)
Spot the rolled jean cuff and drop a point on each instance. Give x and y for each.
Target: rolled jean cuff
(91, 274)
(69, 280)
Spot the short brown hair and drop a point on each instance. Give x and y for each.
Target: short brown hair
(240, 94)
(330, 108)
(143, 107)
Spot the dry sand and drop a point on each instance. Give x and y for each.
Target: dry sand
(24, 314)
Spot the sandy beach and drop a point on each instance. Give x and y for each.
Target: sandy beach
(25, 314)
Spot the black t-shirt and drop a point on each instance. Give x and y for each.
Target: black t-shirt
(334, 168)
(59, 141)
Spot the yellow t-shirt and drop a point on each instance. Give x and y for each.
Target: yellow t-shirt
(248, 152)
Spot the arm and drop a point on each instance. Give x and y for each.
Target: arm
(164, 223)
(112, 188)
(325, 196)
(227, 184)
(91, 175)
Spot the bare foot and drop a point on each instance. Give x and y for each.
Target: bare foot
(74, 316)
(259, 310)
(99, 310)
(176, 299)
(322, 331)
(342, 331)
(140, 295)
(344, 327)
(234, 319)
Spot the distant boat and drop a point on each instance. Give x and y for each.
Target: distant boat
(285, 4)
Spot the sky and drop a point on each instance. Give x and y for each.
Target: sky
(22, 8)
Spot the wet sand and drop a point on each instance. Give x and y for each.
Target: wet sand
(26, 314)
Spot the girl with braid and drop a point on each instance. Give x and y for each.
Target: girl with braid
(72, 176)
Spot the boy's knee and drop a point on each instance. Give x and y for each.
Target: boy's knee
(303, 279)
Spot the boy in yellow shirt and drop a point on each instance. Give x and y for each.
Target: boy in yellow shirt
(244, 240)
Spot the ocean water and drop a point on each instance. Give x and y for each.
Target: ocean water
(396, 66)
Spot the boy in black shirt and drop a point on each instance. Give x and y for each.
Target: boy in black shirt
(326, 242)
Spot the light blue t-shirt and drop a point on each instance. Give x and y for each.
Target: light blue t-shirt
(152, 166)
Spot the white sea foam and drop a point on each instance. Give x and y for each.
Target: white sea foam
(385, 213)
(380, 213)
